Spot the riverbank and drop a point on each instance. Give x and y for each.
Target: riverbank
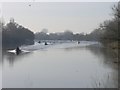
(113, 47)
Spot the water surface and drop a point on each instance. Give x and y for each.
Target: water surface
(63, 65)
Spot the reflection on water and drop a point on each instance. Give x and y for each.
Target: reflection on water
(107, 57)
(72, 67)
(12, 57)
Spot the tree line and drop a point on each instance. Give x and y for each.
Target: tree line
(107, 32)
(67, 35)
(111, 29)
(14, 35)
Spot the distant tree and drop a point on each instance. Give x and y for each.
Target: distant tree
(45, 30)
(16, 35)
(68, 35)
(116, 10)
(95, 35)
(111, 27)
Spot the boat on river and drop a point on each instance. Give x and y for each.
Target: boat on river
(17, 52)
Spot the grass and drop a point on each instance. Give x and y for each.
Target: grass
(114, 46)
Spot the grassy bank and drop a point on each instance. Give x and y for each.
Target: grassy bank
(114, 47)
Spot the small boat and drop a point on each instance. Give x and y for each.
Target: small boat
(17, 52)
(46, 43)
(39, 42)
(78, 42)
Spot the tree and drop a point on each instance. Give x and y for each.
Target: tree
(16, 35)
(45, 31)
(111, 27)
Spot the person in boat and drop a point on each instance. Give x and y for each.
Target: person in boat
(18, 51)
(46, 43)
(78, 42)
(39, 42)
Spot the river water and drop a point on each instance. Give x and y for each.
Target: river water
(60, 65)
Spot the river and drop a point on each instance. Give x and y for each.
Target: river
(60, 65)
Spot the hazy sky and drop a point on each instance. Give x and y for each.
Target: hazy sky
(58, 16)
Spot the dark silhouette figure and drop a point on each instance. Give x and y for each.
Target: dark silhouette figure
(46, 43)
(18, 51)
(39, 42)
(78, 42)
(29, 5)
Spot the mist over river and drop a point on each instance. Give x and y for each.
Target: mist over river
(60, 64)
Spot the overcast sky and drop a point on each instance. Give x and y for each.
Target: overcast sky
(58, 16)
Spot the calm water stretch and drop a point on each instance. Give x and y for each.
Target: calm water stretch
(61, 64)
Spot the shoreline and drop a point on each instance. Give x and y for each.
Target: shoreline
(110, 47)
